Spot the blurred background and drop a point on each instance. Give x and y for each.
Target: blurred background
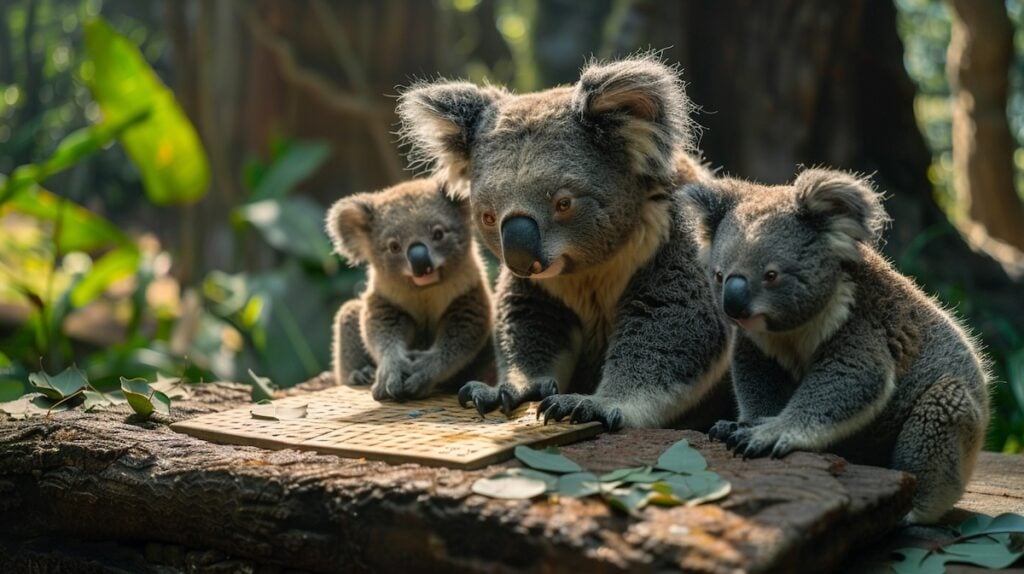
(165, 165)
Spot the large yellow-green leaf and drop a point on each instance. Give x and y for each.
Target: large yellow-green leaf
(165, 147)
(80, 229)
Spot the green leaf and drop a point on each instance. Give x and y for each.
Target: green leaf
(70, 381)
(699, 487)
(509, 487)
(113, 266)
(645, 475)
(95, 400)
(75, 147)
(628, 500)
(80, 229)
(165, 147)
(619, 474)
(681, 457)
(29, 406)
(293, 225)
(578, 484)
(262, 388)
(161, 403)
(143, 399)
(300, 160)
(174, 388)
(992, 553)
(548, 459)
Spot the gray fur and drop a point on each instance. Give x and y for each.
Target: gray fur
(840, 351)
(624, 326)
(404, 339)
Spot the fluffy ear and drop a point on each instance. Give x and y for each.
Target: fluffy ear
(648, 99)
(709, 203)
(348, 225)
(440, 122)
(847, 208)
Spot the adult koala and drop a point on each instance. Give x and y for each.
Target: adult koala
(601, 296)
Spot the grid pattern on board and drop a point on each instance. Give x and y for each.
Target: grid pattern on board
(346, 421)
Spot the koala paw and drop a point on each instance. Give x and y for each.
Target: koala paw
(391, 375)
(506, 396)
(579, 409)
(723, 429)
(759, 440)
(362, 377)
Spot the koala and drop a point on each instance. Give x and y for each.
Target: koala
(603, 312)
(836, 350)
(425, 318)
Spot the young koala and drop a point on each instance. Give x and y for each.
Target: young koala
(601, 296)
(835, 349)
(425, 317)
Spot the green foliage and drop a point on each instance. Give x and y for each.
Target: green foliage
(992, 543)
(166, 147)
(71, 381)
(143, 399)
(549, 460)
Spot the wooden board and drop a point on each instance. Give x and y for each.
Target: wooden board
(346, 421)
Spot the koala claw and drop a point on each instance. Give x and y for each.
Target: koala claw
(362, 377)
(483, 396)
(723, 429)
(579, 409)
(504, 396)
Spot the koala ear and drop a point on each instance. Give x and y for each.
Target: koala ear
(710, 204)
(348, 225)
(846, 207)
(440, 122)
(649, 97)
(457, 200)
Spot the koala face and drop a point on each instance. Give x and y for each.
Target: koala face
(776, 255)
(556, 179)
(412, 232)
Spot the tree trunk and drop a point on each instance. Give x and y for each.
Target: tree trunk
(978, 64)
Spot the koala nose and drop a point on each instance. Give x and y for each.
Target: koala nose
(520, 246)
(419, 259)
(736, 297)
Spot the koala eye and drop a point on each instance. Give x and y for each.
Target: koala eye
(488, 219)
(770, 276)
(393, 246)
(438, 234)
(719, 277)
(563, 205)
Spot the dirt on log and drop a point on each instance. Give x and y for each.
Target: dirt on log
(88, 479)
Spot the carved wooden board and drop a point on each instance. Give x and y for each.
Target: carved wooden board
(346, 421)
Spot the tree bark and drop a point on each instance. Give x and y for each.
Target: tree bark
(978, 63)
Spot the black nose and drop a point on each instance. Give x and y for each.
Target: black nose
(520, 245)
(419, 259)
(736, 297)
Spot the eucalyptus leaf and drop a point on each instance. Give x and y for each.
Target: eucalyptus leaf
(70, 381)
(628, 500)
(551, 480)
(29, 406)
(174, 388)
(1004, 523)
(549, 459)
(992, 553)
(161, 403)
(95, 400)
(646, 475)
(143, 399)
(578, 484)
(681, 457)
(509, 487)
(262, 388)
(272, 412)
(619, 474)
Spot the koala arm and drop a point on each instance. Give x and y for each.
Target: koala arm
(537, 344)
(388, 331)
(762, 385)
(464, 330)
(669, 348)
(849, 383)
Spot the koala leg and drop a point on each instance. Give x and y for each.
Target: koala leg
(352, 364)
(939, 445)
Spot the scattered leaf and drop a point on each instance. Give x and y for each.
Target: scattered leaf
(549, 459)
(161, 403)
(272, 412)
(681, 457)
(628, 500)
(509, 487)
(991, 553)
(70, 381)
(137, 393)
(618, 475)
(29, 406)
(263, 388)
(550, 480)
(646, 475)
(94, 400)
(578, 484)
(174, 387)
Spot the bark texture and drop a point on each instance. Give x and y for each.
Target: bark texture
(102, 478)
